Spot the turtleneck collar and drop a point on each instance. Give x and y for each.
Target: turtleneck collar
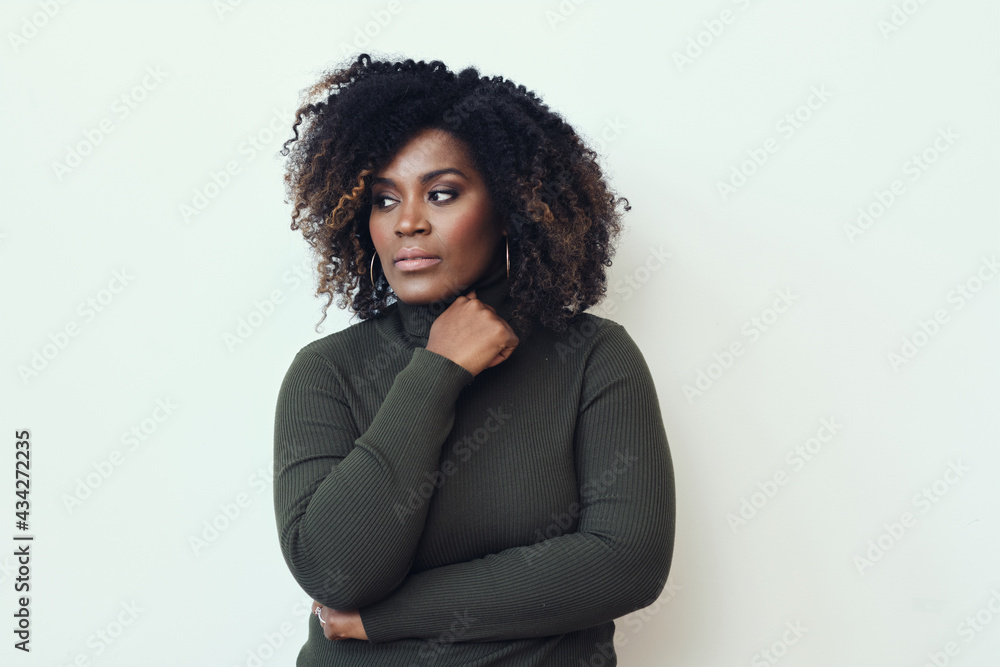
(416, 319)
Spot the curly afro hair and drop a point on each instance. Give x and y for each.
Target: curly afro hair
(561, 216)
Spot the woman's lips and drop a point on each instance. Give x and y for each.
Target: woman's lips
(416, 264)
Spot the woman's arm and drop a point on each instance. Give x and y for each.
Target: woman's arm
(616, 561)
(338, 493)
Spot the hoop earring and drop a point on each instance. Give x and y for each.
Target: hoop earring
(371, 269)
(506, 242)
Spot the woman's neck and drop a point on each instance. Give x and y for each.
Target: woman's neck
(491, 289)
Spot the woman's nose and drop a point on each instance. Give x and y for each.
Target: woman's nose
(412, 217)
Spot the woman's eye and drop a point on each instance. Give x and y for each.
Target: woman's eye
(385, 201)
(450, 194)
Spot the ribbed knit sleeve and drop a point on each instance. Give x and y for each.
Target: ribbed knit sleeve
(616, 561)
(337, 491)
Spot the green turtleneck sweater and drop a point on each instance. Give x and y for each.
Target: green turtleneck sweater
(501, 519)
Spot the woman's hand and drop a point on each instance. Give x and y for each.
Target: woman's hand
(470, 333)
(339, 624)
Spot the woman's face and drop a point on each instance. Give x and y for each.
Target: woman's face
(429, 202)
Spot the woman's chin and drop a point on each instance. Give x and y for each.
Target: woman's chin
(416, 296)
(424, 289)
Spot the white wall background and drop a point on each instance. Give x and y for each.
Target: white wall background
(901, 81)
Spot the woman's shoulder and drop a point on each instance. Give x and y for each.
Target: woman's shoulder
(587, 334)
(346, 344)
(587, 329)
(605, 352)
(590, 324)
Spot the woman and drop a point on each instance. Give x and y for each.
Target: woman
(476, 473)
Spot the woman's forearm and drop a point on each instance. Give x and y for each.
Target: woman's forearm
(615, 561)
(347, 522)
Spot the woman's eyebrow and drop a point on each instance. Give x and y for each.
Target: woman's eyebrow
(426, 177)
